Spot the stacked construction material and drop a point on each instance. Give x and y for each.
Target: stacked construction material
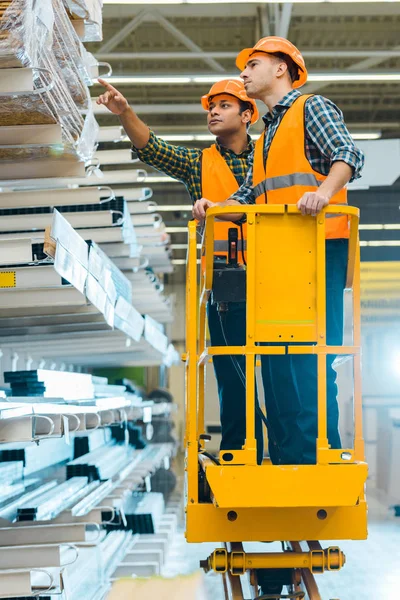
(86, 18)
(84, 443)
(51, 502)
(88, 216)
(143, 512)
(151, 234)
(50, 507)
(35, 458)
(101, 464)
(45, 99)
(133, 434)
(51, 384)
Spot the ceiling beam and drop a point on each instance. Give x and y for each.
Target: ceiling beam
(150, 109)
(283, 26)
(363, 65)
(264, 28)
(186, 41)
(106, 55)
(124, 32)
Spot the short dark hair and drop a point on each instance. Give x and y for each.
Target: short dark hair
(293, 69)
(243, 105)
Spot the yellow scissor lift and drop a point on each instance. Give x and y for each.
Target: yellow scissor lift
(237, 500)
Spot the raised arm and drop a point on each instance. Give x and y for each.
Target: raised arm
(175, 161)
(137, 131)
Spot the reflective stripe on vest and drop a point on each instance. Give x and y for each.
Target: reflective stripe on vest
(285, 181)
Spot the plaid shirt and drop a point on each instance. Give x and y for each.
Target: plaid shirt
(327, 140)
(184, 164)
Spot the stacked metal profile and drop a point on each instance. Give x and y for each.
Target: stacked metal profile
(85, 486)
(48, 136)
(73, 449)
(46, 299)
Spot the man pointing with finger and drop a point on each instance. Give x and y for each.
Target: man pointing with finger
(215, 172)
(306, 157)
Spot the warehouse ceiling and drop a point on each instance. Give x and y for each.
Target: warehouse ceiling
(203, 40)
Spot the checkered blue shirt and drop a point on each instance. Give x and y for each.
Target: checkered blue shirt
(327, 140)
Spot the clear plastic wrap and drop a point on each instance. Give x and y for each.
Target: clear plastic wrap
(89, 11)
(69, 53)
(39, 35)
(25, 30)
(19, 153)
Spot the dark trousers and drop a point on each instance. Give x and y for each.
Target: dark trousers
(290, 381)
(229, 328)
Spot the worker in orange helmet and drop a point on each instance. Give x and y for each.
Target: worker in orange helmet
(305, 157)
(215, 172)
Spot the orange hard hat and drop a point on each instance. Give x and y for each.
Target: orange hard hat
(271, 45)
(232, 87)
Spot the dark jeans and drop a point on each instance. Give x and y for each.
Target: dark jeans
(290, 381)
(230, 329)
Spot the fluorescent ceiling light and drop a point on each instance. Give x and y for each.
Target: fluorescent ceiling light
(379, 226)
(157, 179)
(213, 78)
(116, 2)
(377, 243)
(121, 80)
(208, 137)
(278, 1)
(366, 135)
(181, 261)
(328, 77)
(359, 77)
(182, 246)
(178, 138)
(173, 207)
(182, 229)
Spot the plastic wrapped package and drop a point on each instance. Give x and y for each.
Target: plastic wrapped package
(69, 53)
(87, 142)
(93, 66)
(19, 153)
(25, 110)
(90, 13)
(41, 37)
(25, 30)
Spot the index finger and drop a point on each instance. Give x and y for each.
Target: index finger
(107, 85)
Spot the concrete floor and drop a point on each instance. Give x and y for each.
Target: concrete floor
(371, 572)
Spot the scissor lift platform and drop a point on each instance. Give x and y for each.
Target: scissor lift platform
(231, 499)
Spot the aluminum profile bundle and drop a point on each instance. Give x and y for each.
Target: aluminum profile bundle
(105, 280)
(36, 458)
(10, 472)
(113, 549)
(142, 511)
(49, 504)
(51, 384)
(80, 216)
(84, 444)
(96, 492)
(10, 510)
(102, 464)
(111, 292)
